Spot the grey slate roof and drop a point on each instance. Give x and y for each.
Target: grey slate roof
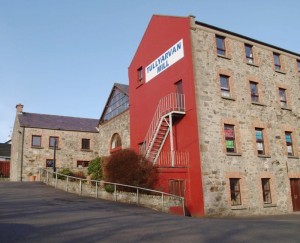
(5, 150)
(55, 122)
(123, 87)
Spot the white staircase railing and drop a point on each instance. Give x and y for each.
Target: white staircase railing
(173, 102)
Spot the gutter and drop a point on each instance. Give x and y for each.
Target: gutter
(22, 153)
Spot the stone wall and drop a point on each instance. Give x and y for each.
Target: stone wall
(214, 111)
(67, 154)
(118, 124)
(85, 188)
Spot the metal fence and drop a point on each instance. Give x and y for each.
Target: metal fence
(157, 200)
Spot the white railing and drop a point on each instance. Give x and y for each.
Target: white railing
(181, 159)
(170, 103)
(117, 192)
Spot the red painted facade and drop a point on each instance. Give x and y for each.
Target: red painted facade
(162, 33)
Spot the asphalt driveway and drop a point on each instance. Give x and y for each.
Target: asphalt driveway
(34, 212)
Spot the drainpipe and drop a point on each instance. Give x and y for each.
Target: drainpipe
(23, 135)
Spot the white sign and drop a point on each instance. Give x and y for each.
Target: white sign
(164, 61)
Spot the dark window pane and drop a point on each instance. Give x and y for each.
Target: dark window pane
(220, 45)
(85, 143)
(277, 61)
(254, 92)
(36, 141)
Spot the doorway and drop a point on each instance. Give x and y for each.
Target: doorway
(295, 191)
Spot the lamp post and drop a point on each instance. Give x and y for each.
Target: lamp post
(54, 156)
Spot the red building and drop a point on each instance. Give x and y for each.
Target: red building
(163, 120)
(218, 114)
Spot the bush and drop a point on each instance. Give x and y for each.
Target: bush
(65, 171)
(109, 188)
(127, 167)
(79, 174)
(95, 169)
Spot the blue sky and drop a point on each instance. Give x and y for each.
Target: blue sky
(63, 56)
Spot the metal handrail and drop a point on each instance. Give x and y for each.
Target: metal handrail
(169, 103)
(138, 189)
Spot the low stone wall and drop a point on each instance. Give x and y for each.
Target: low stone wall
(153, 200)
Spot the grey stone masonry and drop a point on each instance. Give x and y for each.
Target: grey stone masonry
(118, 124)
(237, 109)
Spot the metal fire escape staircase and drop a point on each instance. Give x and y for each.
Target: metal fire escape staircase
(169, 108)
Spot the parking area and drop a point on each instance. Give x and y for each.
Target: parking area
(34, 212)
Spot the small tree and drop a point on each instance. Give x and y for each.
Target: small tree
(95, 169)
(127, 167)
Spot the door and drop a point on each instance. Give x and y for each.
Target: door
(295, 190)
(180, 98)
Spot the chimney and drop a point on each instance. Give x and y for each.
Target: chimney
(19, 108)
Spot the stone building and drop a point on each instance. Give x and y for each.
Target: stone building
(228, 103)
(78, 140)
(36, 135)
(114, 121)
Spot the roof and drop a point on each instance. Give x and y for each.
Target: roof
(55, 122)
(123, 87)
(245, 37)
(5, 150)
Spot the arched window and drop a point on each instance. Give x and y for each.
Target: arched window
(116, 142)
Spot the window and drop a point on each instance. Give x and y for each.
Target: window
(176, 187)
(53, 141)
(225, 89)
(118, 103)
(85, 143)
(82, 163)
(140, 75)
(254, 92)
(49, 162)
(277, 64)
(220, 40)
(260, 141)
(289, 143)
(249, 53)
(265, 183)
(282, 96)
(116, 141)
(235, 192)
(36, 141)
(229, 138)
(298, 65)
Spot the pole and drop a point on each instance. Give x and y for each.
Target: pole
(54, 156)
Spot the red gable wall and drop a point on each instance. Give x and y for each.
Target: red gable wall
(162, 33)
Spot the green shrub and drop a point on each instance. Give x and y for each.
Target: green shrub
(109, 188)
(95, 169)
(65, 171)
(127, 167)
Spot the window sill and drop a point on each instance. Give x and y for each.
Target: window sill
(115, 149)
(53, 148)
(233, 154)
(239, 207)
(139, 84)
(285, 108)
(252, 64)
(86, 150)
(228, 98)
(223, 56)
(270, 205)
(293, 157)
(280, 71)
(257, 103)
(37, 147)
(263, 156)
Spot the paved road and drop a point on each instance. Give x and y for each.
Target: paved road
(34, 212)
